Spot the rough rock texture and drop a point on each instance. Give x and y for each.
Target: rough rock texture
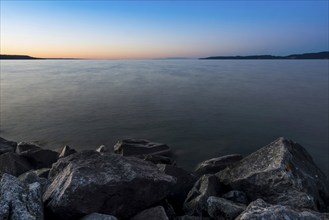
(280, 173)
(184, 183)
(31, 177)
(236, 196)
(260, 210)
(155, 213)
(19, 201)
(220, 208)
(188, 217)
(158, 159)
(217, 164)
(196, 201)
(13, 164)
(131, 147)
(24, 146)
(98, 216)
(66, 151)
(40, 158)
(89, 181)
(103, 149)
(7, 146)
(43, 172)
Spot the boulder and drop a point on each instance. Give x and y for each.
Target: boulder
(24, 146)
(158, 159)
(14, 164)
(88, 181)
(196, 200)
(132, 147)
(188, 217)
(66, 151)
(31, 177)
(217, 164)
(20, 201)
(7, 146)
(280, 173)
(98, 216)
(260, 210)
(43, 172)
(155, 213)
(103, 149)
(220, 208)
(184, 183)
(236, 196)
(40, 158)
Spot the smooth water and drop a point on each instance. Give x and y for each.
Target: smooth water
(201, 108)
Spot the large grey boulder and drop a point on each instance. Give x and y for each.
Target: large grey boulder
(7, 146)
(13, 164)
(20, 201)
(155, 213)
(89, 181)
(40, 158)
(280, 173)
(196, 200)
(32, 177)
(25, 146)
(132, 147)
(220, 208)
(98, 216)
(260, 210)
(217, 164)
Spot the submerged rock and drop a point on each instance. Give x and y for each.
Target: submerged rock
(7, 146)
(220, 208)
(155, 213)
(13, 164)
(98, 216)
(89, 181)
(280, 173)
(130, 147)
(260, 210)
(40, 158)
(20, 201)
(217, 164)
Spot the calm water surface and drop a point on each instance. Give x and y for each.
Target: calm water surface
(201, 108)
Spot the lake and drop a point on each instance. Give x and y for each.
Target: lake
(201, 108)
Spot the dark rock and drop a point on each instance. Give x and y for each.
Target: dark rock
(40, 158)
(168, 209)
(158, 159)
(188, 217)
(179, 191)
(7, 146)
(220, 208)
(98, 216)
(89, 181)
(20, 201)
(31, 177)
(24, 146)
(131, 147)
(43, 172)
(217, 164)
(103, 149)
(196, 201)
(236, 196)
(280, 173)
(155, 213)
(14, 164)
(66, 151)
(260, 210)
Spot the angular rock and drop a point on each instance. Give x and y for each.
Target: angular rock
(188, 217)
(158, 159)
(220, 208)
(103, 149)
(132, 147)
(155, 213)
(98, 216)
(280, 173)
(217, 164)
(43, 172)
(31, 177)
(14, 164)
(196, 201)
(236, 196)
(260, 210)
(40, 158)
(19, 201)
(7, 146)
(24, 146)
(88, 181)
(66, 151)
(184, 183)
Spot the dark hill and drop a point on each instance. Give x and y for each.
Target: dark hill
(17, 57)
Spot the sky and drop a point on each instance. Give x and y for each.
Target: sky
(159, 29)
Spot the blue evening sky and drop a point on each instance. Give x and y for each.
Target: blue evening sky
(152, 29)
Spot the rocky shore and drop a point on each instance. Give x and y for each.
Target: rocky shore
(138, 180)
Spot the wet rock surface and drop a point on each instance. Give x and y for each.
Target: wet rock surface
(155, 213)
(220, 208)
(14, 164)
(40, 158)
(25, 146)
(130, 147)
(7, 146)
(120, 186)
